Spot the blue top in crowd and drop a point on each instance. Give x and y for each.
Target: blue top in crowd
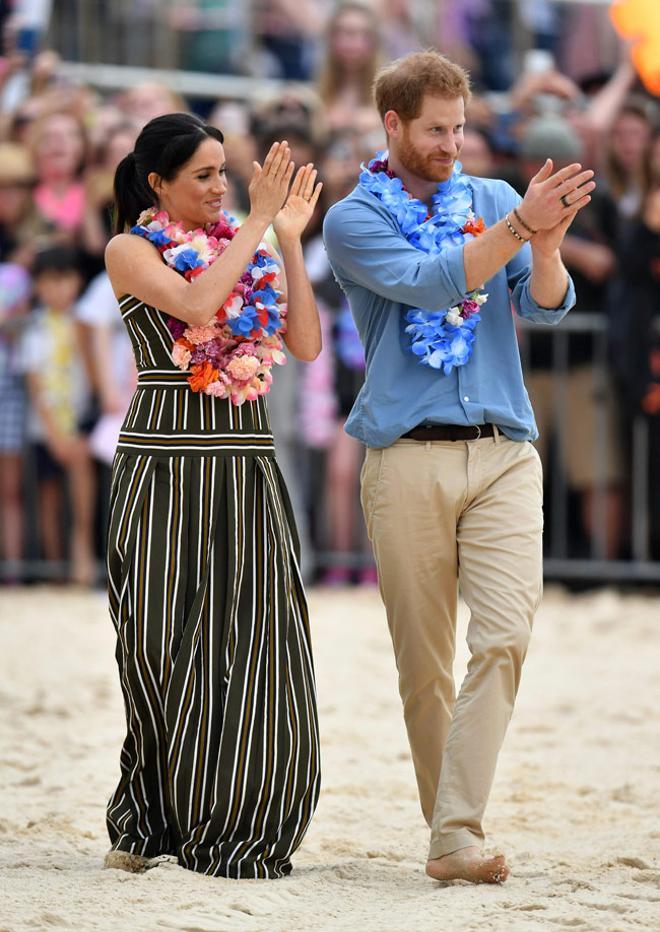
(383, 276)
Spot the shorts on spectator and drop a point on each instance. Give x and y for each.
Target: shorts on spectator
(582, 423)
(45, 463)
(47, 467)
(13, 413)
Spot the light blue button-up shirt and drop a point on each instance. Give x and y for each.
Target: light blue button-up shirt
(383, 276)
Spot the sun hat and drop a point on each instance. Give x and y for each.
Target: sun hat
(550, 137)
(16, 164)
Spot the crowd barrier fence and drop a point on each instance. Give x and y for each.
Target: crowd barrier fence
(561, 561)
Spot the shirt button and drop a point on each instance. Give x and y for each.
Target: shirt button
(466, 397)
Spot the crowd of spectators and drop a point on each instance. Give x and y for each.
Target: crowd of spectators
(66, 367)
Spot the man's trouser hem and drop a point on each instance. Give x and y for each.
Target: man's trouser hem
(447, 844)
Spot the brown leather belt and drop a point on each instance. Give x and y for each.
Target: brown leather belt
(449, 432)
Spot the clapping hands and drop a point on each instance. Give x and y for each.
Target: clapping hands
(273, 198)
(552, 201)
(299, 206)
(269, 186)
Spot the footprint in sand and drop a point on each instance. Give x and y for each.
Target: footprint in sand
(624, 794)
(607, 907)
(648, 876)
(387, 855)
(564, 921)
(48, 920)
(634, 862)
(639, 896)
(28, 781)
(576, 885)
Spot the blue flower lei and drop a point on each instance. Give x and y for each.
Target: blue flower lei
(440, 339)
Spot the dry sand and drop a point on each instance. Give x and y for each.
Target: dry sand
(575, 804)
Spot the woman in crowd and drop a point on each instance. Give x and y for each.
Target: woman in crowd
(635, 332)
(352, 57)
(21, 227)
(627, 146)
(220, 765)
(331, 386)
(59, 149)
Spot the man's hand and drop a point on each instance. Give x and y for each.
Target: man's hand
(552, 200)
(543, 212)
(547, 242)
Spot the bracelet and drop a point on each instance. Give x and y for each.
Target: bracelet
(522, 222)
(513, 230)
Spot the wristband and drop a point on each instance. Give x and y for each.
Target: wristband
(522, 222)
(513, 230)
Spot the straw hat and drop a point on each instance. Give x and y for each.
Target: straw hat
(15, 164)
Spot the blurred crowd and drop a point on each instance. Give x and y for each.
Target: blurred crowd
(66, 367)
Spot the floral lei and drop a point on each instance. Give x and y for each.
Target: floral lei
(443, 339)
(231, 356)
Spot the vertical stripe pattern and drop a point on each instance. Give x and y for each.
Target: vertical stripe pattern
(220, 765)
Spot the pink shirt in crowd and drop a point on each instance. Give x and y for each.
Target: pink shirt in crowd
(65, 211)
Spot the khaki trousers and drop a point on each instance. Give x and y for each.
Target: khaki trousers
(439, 515)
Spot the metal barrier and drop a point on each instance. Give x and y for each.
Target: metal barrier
(561, 562)
(560, 559)
(189, 83)
(149, 33)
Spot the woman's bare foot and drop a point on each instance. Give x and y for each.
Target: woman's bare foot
(468, 864)
(125, 861)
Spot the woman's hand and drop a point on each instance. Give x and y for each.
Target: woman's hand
(270, 184)
(299, 208)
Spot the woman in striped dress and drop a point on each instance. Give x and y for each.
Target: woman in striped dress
(220, 766)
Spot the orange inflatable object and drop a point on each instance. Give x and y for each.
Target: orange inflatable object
(639, 20)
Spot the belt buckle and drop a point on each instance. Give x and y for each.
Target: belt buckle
(478, 429)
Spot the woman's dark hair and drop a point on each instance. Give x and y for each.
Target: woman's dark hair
(164, 145)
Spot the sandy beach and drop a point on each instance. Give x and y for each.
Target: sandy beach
(575, 804)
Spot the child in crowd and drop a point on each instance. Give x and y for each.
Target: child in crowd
(112, 363)
(15, 289)
(60, 398)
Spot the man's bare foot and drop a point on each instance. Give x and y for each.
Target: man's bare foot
(468, 864)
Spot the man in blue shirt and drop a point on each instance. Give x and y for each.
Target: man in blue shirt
(451, 485)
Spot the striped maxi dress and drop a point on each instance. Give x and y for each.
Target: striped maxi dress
(220, 765)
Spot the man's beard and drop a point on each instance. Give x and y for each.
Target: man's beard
(423, 166)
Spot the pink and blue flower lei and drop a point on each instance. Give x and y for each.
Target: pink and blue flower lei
(261, 312)
(232, 355)
(441, 339)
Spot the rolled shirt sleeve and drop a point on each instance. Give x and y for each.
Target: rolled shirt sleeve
(519, 276)
(367, 248)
